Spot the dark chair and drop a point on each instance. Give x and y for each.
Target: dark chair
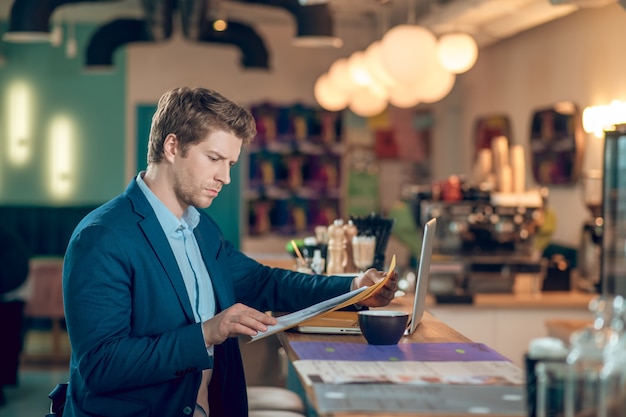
(57, 396)
(11, 328)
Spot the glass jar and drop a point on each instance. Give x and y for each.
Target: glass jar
(586, 360)
(613, 374)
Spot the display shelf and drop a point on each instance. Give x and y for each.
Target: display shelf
(295, 164)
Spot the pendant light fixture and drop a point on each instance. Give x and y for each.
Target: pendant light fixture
(457, 52)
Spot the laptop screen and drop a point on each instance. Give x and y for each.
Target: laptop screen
(423, 274)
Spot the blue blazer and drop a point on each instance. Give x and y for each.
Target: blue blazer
(136, 349)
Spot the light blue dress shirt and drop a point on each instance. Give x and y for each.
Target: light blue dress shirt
(180, 235)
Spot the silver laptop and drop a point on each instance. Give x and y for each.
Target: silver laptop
(345, 322)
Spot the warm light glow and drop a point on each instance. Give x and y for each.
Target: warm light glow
(19, 119)
(339, 74)
(365, 104)
(375, 65)
(404, 96)
(407, 51)
(220, 25)
(328, 96)
(361, 75)
(597, 119)
(436, 84)
(61, 154)
(358, 69)
(457, 52)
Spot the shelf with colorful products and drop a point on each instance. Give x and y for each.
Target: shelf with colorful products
(295, 169)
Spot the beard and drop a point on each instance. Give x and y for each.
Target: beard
(189, 192)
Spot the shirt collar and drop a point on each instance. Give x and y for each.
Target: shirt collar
(169, 222)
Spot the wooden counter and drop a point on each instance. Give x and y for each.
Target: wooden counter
(508, 322)
(548, 300)
(430, 330)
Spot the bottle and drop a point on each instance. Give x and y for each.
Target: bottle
(585, 360)
(318, 263)
(545, 368)
(335, 248)
(613, 374)
(349, 231)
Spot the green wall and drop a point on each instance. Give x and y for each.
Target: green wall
(95, 104)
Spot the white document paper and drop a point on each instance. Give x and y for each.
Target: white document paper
(293, 319)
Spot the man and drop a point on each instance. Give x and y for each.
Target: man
(155, 297)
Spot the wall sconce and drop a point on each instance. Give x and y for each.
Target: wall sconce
(597, 119)
(19, 118)
(61, 154)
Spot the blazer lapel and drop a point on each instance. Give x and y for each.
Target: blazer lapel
(209, 247)
(160, 245)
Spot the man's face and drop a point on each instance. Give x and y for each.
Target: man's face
(201, 173)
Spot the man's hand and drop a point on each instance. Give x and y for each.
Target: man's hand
(382, 296)
(234, 321)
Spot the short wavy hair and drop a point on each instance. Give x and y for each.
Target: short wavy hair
(192, 114)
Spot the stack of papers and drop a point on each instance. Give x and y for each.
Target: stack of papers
(344, 300)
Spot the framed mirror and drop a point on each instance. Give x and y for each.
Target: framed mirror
(556, 144)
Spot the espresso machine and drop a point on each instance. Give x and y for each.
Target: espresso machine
(484, 239)
(590, 250)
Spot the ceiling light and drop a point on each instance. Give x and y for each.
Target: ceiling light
(375, 65)
(327, 96)
(407, 50)
(457, 52)
(436, 85)
(365, 104)
(220, 25)
(403, 97)
(339, 74)
(358, 69)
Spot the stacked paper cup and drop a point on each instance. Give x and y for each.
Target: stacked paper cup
(518, 168)
(501, 167)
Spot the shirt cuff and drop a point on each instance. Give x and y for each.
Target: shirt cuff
(209, 349)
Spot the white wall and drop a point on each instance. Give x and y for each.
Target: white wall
(576, 58)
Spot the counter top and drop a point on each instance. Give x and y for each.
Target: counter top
(527, 300)
(430, 330)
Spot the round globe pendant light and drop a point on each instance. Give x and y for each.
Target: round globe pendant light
(457, 52)
(365, 104)
(375, 65)
(404, 96)
(340, 77)
(406, 52)
(436, 85)
(328, 96)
